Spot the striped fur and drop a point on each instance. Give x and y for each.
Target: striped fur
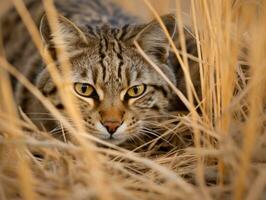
(99, 39)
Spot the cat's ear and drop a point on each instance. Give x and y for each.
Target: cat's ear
(72, 36)
(152, 38)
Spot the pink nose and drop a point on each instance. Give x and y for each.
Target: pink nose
(111, 126)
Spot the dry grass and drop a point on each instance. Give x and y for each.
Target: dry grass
(224, 159)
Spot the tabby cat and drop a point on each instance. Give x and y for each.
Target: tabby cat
(119, 94)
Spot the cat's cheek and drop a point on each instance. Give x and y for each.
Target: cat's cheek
(87, 103)
(131, 102)
(147, 103)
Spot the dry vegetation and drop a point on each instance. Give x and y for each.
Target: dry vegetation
(224, 159)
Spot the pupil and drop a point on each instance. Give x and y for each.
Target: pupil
(135, 89)
(83, 88)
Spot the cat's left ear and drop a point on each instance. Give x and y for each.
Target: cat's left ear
(152, 38)
(72, 36)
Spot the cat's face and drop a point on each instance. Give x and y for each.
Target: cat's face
(119, 94)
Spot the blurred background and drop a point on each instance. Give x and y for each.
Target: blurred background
(162, 6)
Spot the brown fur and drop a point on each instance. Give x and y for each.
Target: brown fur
(102, 54)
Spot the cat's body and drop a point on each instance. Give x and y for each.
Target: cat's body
(119, 94)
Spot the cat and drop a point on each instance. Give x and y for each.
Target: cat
(121, 97)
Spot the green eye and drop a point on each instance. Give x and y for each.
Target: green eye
(136, 91)
(84, 89)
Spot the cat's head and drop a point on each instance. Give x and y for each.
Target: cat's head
(120, 95)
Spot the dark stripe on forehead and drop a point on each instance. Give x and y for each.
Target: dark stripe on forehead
(115, 32)
(124, 31)
(127, 74)
(95, 74)
(105, 43)
(116, 47)
(118, 52)
(119, 46)
(102, 56)
(91, 31)
(119, 56)
(139, 73)
(119, 71)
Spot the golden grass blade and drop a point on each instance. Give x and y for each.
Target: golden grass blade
(170, 40)
(256, 100)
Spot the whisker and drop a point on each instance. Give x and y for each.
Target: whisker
(149, 134)
(158, 136)
(150, 130)
(136, 136)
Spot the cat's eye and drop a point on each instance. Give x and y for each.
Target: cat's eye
(84, 89)
(136, 91)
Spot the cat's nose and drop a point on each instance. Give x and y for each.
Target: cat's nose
(111, 118)
(111, 126)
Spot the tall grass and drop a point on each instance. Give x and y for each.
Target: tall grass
(218, 153)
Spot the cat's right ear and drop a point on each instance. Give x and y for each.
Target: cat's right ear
(71, 36)
(152, 39)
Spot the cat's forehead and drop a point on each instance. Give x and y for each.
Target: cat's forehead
(107, 64)
(112, 63)
(108, 67)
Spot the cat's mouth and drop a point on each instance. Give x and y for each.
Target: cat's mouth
(115, 138)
